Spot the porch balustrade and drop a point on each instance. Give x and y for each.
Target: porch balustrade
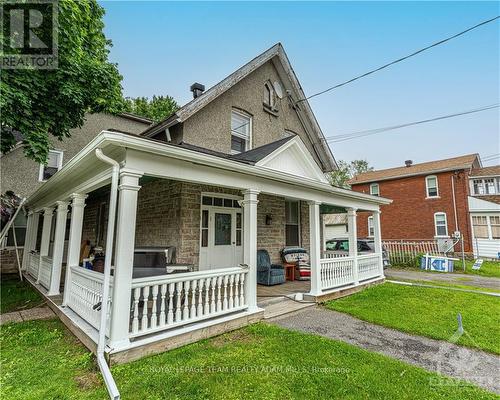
(166, 302)
(336, 272)
(85, 294)
(45, 271)
(33, 265)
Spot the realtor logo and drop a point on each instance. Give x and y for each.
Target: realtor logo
(29, 34)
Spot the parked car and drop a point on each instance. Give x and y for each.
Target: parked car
(341, 246)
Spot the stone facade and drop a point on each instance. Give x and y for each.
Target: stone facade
(168, 214)
(8, 260)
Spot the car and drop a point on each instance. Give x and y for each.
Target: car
(365, 246)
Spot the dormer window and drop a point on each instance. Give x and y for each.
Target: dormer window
(431, 184)
(241, 132)
(269, 96)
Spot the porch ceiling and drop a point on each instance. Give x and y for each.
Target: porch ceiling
(85, 172)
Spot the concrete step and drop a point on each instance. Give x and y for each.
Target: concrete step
(284, 306)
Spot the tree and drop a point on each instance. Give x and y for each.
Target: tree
(39, 103)
(157, 109)
(347, 171)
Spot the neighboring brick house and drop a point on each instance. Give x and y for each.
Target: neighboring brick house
(23, 176)
(430, 200)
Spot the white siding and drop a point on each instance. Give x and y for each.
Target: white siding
(488, 248)
(335, 231)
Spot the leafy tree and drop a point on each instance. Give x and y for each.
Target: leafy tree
(40, 103)
(347, 170)
(157, 109)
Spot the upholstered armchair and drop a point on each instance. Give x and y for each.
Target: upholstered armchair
(268, 274)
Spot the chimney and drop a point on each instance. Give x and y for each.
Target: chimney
(197, 89)
(408, 163)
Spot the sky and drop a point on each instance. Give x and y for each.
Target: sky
(163, 47)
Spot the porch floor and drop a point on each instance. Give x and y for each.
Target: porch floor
(285, 289)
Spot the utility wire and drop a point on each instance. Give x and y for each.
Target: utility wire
(400, 59)
(359, 134)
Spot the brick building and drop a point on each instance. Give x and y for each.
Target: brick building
(430, 200)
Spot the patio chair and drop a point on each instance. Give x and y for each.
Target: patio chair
(268, 274)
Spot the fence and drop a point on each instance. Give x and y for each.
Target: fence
(401, 252)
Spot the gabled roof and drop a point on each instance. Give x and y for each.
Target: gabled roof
(449, 164)
(280, 59)
(486, 171)
(259, 153)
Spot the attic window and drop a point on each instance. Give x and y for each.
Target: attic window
(269, 96)
(241, 132)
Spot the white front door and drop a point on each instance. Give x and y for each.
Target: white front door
(222, 245)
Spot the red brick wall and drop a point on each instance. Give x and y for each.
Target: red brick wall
(411, 215)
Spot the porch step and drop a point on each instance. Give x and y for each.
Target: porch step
(284, 306)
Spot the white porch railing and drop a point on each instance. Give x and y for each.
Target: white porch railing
(85, 294)
(165, 302)
(339, 271)
(45, 271)
(368, 266)
(332, 254)
(33, 265)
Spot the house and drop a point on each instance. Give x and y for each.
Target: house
(432, 201)
(484, 209)
(335, 226)
(239, 168)
(23, 176)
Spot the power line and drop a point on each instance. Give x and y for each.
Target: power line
(359, 134)
(399, 59)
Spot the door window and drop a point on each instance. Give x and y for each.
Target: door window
(222, 229)
(239, 227)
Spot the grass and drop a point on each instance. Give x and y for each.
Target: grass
(428, 312)
(16, 295)
(489, 268)
(40, 360)
(450, 284)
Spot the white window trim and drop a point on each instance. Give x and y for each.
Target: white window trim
(42, 166)
(370, 218)
(378, 189)
(445, 224)
(427, 187)
(250, 135)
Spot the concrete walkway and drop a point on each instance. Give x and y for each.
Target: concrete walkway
(457, 279)
(475, 366)
(27, 315)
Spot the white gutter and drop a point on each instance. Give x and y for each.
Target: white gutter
(114, 394)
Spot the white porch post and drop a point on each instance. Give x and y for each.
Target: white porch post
(46, 228)
(57, 256)
(377, 238)
(27, 241)
(75, 239)
(353, 241)
(250, 244)
(124, 257)
(315, 253)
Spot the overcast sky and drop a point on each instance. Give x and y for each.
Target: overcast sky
(163, 47)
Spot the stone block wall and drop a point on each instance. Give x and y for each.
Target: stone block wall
(8, 260)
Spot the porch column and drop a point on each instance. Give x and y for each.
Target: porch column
(353, 241)
(27, 241)
(75, 239)
(123, 257)
(46, 228)
(377, 239)
(57, 256)
(250, 244)
(315, 252)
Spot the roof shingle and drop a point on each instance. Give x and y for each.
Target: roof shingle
(486, 171)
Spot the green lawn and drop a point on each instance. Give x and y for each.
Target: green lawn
(16, 295)
(40, 360)
(451, 285)
(428, 312)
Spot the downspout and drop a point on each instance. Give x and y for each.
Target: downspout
(114, 394)
(454, 201)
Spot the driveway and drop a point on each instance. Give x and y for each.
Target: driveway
(474, 366)
(457, 279)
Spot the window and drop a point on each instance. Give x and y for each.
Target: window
(374, 189)
(480, 227)
(440, 224)
(489, 186)
(495, 226)
(478, 186)
(204, 228)
(431, 184)
(371, 230)
(486, 186)
(241, 132)
(19, 225)
(269, 95)
(100, 224)
(54, 164)
(292, 231)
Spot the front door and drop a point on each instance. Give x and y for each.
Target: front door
(222, 244)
